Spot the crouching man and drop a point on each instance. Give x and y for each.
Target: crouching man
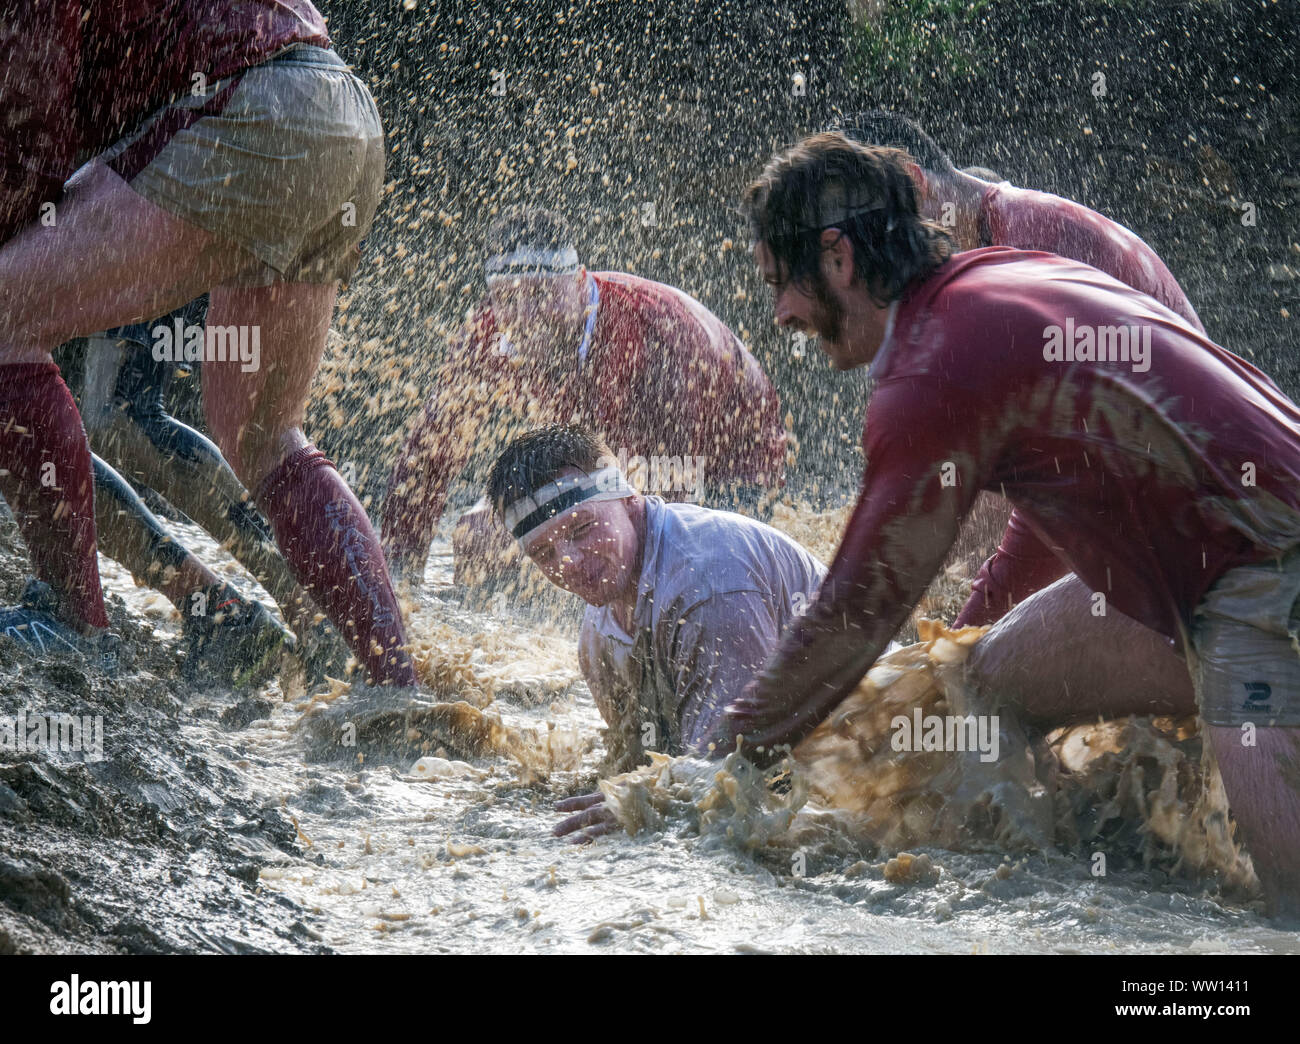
(684, 603)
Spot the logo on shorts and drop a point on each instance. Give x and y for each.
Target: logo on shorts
(1258, 695)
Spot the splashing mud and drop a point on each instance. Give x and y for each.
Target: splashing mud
(211, 826)
(1135, 788)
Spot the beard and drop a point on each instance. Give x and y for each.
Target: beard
(829, 318)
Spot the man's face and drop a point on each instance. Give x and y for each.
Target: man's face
(591, 550)
(819, 314)
(839, 311)
(535, 311)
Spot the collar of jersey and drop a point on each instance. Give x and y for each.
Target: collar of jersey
(593, 305)
(878, 363)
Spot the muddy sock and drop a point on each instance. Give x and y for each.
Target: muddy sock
(324, 534)
(45, 476)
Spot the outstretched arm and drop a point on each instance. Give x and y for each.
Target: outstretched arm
(437, 449)
(927, 458)
(715, 648)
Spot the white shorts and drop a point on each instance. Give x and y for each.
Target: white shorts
(1246, 639)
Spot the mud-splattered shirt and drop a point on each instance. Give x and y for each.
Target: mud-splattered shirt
(664, 379)
(715, 593)
(1148, 480)
(1029, 220)
(75, 75)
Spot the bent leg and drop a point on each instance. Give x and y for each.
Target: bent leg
(1246, 664)
(111, 257)
(320, 526)
(131, 534)
(45, 475)
(1262, 782)
(189, 471)
(1052, 658)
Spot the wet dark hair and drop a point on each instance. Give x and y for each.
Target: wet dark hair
(896, 131)
(829, 181)
(519, 227)
(533, 460)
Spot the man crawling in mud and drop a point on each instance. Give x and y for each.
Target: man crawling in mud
(1158, 467)
(684, 603)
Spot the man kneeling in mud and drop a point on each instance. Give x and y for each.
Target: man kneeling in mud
(1170, 490)
(684, 603)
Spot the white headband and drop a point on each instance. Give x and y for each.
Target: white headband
(529, 514)
(530, 260)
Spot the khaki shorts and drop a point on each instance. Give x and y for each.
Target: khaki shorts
(1246, 640)
(285, 158)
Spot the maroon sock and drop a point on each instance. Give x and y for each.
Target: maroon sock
(46, 477)
(334, 553)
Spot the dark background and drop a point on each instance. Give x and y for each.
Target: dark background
(610, 105)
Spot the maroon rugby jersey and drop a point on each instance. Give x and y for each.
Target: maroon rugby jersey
(1149, 477)
(75, 75)
(1029, 220)
(664, 376)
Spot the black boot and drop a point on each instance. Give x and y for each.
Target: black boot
(34, 624)
(232, 639)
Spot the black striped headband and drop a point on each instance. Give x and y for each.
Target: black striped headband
(528, 514)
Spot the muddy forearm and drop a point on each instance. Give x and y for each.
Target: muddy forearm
(417, 486)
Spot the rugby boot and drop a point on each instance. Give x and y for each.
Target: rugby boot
(34, 625)
(233, 639)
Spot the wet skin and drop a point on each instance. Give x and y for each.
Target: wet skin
(849, 326)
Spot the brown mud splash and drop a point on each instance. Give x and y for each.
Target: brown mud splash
(1137, 789)
(364, 723)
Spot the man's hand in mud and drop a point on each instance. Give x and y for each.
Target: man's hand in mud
(594, 818)
(762, 721)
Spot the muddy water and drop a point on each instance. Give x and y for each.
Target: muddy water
(209, 828)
